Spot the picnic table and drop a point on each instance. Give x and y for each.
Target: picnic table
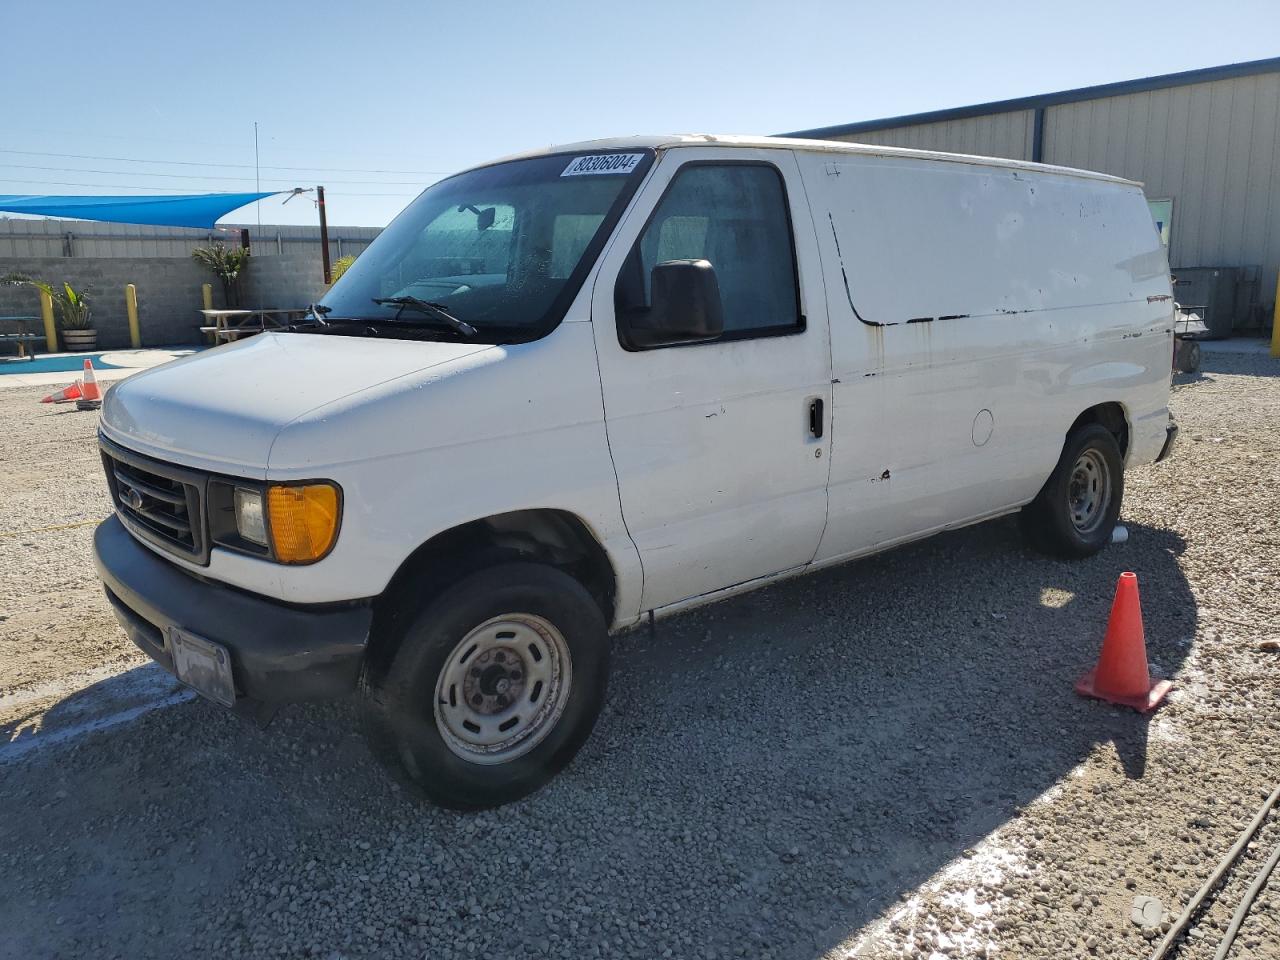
(24, 338)
(232, 324)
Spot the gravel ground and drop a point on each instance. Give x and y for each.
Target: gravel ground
(883, 760)
(54, 619)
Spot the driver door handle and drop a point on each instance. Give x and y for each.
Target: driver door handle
(815, 418)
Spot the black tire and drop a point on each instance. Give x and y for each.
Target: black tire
(399, 703)
(1187, 356)
(1049, 522)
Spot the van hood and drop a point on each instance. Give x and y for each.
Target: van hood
(222, 409)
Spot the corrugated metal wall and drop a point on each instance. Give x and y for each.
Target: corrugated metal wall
(22, 239)
(1209, 147)
(993, 135)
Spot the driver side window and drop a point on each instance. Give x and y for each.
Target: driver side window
(735, 216)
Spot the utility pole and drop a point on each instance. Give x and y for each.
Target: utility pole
(324, 235)
(257, 179)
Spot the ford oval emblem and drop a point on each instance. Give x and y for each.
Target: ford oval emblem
(132, 498)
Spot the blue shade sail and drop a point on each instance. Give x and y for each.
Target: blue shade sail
(191, 210)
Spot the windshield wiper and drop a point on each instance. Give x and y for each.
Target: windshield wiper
(317, 318)
(431, 309)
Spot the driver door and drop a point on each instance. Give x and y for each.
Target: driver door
(720, 447)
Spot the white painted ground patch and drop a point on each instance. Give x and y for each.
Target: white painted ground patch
(970, 884)
(141, 359)
(71, 707)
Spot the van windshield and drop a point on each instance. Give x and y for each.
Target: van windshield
(504, 249)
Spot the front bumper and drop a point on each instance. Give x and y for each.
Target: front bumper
(279, 652)
(1171, 435)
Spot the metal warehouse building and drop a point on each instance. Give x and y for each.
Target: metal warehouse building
(1202, 142)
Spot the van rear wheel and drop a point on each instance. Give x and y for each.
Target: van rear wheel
(1076, 511)
(495, 684)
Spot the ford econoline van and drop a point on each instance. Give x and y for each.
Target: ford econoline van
(578, 388)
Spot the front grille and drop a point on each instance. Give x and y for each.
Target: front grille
(158, 501)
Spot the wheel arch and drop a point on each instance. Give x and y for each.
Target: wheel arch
(1112, 416)
(558, 538)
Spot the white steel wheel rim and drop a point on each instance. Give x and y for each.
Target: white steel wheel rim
(503, 688)
(1089, 492)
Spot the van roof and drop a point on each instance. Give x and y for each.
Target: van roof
(812, 146)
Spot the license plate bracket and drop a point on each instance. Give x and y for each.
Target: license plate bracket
(203, 665)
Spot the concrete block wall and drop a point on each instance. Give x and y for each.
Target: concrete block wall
(169, 293)
(85, 238)
(292, 280)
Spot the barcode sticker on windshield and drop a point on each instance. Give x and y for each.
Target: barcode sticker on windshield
(620, 163)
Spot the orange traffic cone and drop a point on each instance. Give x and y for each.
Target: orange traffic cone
(1122, 675)
(91, 391)
(66, 395)
(91, 395)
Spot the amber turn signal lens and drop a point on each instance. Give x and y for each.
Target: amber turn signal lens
(304, 521)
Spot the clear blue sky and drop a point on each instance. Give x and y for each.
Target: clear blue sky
(430, 87)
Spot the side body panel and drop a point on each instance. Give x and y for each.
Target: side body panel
(975, 313)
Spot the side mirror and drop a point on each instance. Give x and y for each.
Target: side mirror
(684, 306)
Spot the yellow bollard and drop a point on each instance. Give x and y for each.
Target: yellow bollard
(46, 314)
(131, 306)
(1275, 323)
(206, 293)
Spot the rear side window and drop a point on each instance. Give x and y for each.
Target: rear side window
(735, 216)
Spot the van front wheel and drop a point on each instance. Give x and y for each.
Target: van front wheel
(495, 684)
(1076, 511)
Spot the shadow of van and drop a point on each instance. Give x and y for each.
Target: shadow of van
(883, 717)
(42, 717)
(770, 774)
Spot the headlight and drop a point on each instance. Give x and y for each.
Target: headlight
(251, 523)
(304, 520)
(286, 522)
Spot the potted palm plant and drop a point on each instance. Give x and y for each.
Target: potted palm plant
(74, 315)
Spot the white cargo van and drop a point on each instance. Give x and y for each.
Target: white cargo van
(577, 388)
